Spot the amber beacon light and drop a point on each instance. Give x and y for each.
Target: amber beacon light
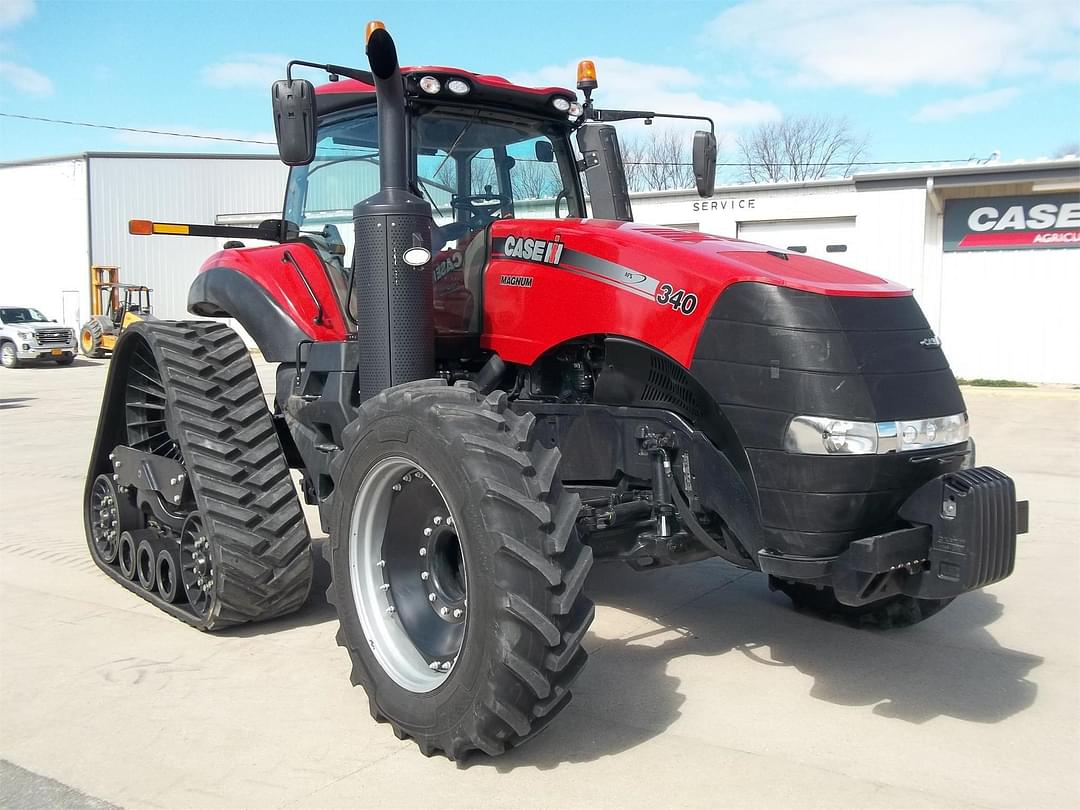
(372, 27)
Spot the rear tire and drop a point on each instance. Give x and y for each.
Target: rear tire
(888, 614)
(522, 568)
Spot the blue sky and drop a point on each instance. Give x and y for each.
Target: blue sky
(925, 80)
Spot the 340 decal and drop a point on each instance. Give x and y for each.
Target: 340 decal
(679, 300)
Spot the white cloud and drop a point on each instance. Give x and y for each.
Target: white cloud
(25, 79)
(238, 140)
(246, 70)
(13, 12)
(625, 84)
(951, 108)
(882, 47)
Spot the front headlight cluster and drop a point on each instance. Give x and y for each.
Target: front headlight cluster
(23, 335)
(823, 435)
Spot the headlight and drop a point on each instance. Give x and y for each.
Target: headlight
(822, 435)
(25, 335)
(561, 104)
(458, 87)
(429, 84)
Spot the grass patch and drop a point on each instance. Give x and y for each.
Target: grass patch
(984, 383)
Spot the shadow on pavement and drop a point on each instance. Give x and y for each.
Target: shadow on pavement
(948, 666)
(7, 403)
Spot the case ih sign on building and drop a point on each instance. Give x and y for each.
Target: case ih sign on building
(1004, 223)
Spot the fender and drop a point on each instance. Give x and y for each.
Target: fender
(280, 294)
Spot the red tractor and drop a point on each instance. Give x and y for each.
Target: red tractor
(485, 389)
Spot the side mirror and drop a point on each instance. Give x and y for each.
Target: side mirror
(604, 172)
(705, 163)
(294, 120)
(545, 153)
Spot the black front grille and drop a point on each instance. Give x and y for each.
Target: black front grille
(45, 336)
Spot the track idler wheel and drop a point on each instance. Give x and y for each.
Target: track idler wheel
(196, 565)
(111, 514)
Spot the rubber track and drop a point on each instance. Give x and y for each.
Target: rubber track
(237, 470)
(891, 613)
(541, 652)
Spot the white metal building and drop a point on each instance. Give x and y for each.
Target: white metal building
(59, 216)
(992, 251)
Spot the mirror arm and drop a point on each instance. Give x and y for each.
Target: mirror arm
(595, 114)
(348, 72)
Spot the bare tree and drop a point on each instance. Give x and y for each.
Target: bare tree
(658, 160)
(533, 179)
(806, 147)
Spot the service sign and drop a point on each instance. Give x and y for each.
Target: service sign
(1013, 223)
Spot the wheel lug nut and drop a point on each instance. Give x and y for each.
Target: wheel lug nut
(390, 611)
(431, 597)
(427, 532)
(458, 613)
(444, 610)
(396, 487)
(434, 665)
(449, 521)
(385, 586)
(437, 520)
(381, 563)
(424, 575)
(406, 478)
(423, 552)
(445, 666)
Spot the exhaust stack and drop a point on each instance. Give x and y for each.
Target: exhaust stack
(392, 282)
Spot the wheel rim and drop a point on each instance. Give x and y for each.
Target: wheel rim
(196, 565)
(105, 525)
(87, 341)
(408, 574)
(8, 354)
(144, 401)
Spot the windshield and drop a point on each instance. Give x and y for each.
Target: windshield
(20, 315)
(472, 165)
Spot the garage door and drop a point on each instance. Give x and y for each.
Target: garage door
(831, 239)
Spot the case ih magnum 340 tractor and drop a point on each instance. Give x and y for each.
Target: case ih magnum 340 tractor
(484, 391)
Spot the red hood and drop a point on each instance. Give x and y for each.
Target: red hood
(652, 249)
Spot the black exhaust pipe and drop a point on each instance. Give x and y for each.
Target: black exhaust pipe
(392, 282)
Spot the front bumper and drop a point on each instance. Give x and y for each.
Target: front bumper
(961, 535)
(29, 351)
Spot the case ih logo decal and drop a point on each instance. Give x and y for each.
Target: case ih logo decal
(592, 267)
(532, 250)
(1011, 223)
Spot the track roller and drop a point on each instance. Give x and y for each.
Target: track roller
(145, 564)
(125, 556)
(168, 575)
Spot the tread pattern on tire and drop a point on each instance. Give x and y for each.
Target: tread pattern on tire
(237, 470)
(540, 650)
(891, 613)
(95, 329)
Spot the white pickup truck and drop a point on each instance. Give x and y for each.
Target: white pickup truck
(26, 334)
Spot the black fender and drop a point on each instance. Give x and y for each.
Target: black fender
(225, 292)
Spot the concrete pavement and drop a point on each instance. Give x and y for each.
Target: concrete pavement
(703, 688)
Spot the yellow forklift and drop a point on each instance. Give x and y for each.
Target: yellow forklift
(113, 308)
